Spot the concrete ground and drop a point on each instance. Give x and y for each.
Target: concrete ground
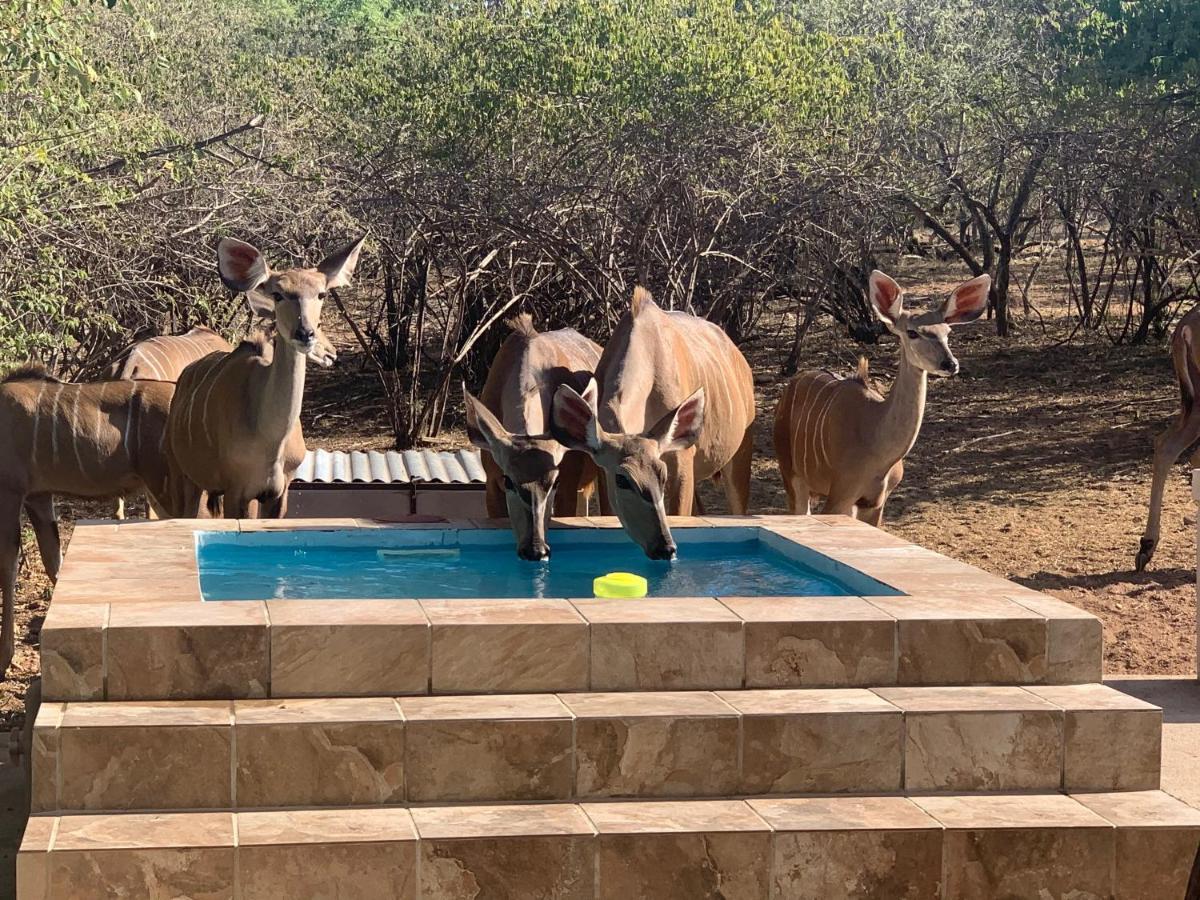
(1180, 701)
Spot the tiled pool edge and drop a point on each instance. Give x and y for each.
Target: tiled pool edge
(113, 633)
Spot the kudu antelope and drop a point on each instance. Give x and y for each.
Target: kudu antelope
(840, 439)
(101, 439)
(529, 473)
(1183, 432)
(676, 406)
(234, 425)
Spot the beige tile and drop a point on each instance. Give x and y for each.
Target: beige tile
(667, 850)
(145, 756)
(818, 740)
(507, 645)
(205, 874)
(853, 847)
(979, 739)
(33, 859)
(816, 641)
(654, 745)
(72, 649)
(359, 854)
(1074, 639)
(319, 753)
(491, 748)
(43, 790)
(1113, 742)
(1023, 846)
(966, 640)
(348, 648)
(668, 644)
(188, 650)
(1158, 840)
(506, 852)
(144, 831)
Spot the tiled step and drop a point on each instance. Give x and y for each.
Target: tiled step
(250, 754)
(296, 648)
(1130, 846)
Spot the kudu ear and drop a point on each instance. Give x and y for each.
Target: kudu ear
(680, 428)
(483, 428)
(887, 298)
(243, 268)
(573, 421)
(338, 267)
(968, 301)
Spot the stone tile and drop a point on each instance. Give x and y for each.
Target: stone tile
(966, 640)
(1158, 839)
(319, 752)
(818, 740)
(490, 748)
(43, 790)
(853, 847)
(188, 651)
(72, 648)
(978, 739)
(1113, 742)
(145, 756)
(360, 854)
(98, 587)
(144, 856)
(507, 645)
(1023, 846)
(685, 850)
(816, 641)
(654, 745)
(33, 859)
(1074, 639)
(506, 852)
(347, 648)
(669, 644)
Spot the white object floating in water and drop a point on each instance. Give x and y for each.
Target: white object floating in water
(406, 552)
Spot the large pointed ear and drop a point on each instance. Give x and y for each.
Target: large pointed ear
(339, 267)
(680, 428)
(968, 302)
(243, 268)
(483, 428)
(573, 421)
(887, 298)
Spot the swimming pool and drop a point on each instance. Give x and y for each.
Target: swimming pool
(460, 563)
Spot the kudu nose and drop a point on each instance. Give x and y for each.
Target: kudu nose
(664, 550)
(950, 367)
(534, 553)
(305, 335)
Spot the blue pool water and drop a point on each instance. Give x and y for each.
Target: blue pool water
(448, 563)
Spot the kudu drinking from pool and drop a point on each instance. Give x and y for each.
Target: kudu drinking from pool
(529, 473)
(676, 406)
(838, 437)
(89, 440)
(235, 420)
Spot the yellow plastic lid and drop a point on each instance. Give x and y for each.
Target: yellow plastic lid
(620, 585)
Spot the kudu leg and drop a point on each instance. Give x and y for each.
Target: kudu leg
(735, 477)
(10, 552)
(1168, 447)
(40, 509)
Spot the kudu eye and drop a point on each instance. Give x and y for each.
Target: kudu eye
(508, 484)
(624, 483)
(913, 333)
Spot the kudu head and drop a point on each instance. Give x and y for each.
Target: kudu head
(925, 337)
(530, 465)
(291, 298)
(633, 465)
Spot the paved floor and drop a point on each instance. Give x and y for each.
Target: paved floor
(1180, 700)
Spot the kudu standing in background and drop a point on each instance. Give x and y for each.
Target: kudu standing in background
(839, 438)
(165, 356)
(1182, 433)
(676, 406)
(89, 440)
(529, 473)
(235, 421)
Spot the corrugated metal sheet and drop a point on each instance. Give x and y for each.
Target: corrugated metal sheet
(373, 467)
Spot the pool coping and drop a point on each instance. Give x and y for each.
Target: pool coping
(114, 627)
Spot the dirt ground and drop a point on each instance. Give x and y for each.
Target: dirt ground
(1033, 463)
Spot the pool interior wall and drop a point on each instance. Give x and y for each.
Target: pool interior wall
(450, 563)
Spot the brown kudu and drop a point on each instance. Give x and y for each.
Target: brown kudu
(839, 438)
(676, 406)
(1183, 432)
(529, 473)
(102, 439)
(234, 425)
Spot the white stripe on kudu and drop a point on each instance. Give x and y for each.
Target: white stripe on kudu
(54, 425)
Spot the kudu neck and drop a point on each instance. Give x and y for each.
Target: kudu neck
(904, 409)
(282, 394)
